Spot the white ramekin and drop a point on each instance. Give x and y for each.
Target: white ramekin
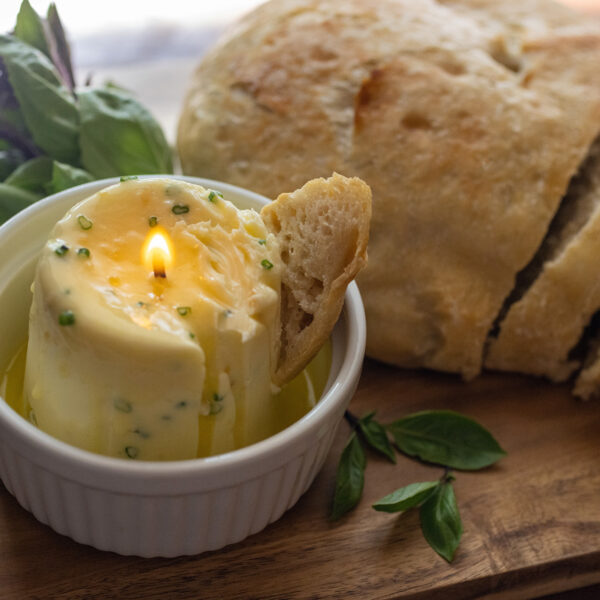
(152, 508)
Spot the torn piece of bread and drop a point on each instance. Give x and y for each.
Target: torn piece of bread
(546, 323)
(323, 231)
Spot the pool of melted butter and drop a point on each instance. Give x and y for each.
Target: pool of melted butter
(294, 400)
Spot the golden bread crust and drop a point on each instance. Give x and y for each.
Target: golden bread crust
(466, 118)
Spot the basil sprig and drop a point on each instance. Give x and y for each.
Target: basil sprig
(439, 437)
(54, 135)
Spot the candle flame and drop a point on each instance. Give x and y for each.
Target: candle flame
(157, 253)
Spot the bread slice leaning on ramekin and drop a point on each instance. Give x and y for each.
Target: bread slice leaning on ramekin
(323, 231)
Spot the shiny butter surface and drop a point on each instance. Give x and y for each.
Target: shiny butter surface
(155, 368)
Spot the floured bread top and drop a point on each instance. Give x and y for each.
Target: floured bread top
(466, 118)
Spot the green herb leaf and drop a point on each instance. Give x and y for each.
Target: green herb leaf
(47, 106)
(33, 175)
(61, 250)
(59, 47)
(30, 28)
(180, 209)
(376, 436)
(65, 176)
(213, 196)
(10, 158)
(119, 136)
(13, 199)
(406, 497)
(350, 478)
(262, 242)
(266, 264)
(184, 311)
(446, 438)
(440, 521)
(66, 317)
(153, 221)
(122, 405)
(84, 222)
(83, 252)
(131, 451)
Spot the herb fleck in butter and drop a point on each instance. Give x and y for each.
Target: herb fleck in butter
(180, 209)
(66, 317)
(84, 222)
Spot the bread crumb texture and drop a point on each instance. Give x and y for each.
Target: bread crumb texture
(467, 119)
(322, 230)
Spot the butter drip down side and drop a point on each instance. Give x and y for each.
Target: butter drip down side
(125, 363)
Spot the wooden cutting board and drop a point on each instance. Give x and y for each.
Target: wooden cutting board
(531, 523)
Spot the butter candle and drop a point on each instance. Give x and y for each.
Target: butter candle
(154, 350)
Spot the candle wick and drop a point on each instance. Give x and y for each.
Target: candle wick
(160, 273)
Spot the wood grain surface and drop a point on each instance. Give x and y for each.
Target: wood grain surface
(531, 522)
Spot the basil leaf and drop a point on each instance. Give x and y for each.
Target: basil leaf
(349, 480)
(119, 136)
(30, 28)
(10, 115)
(65, 176)
(13, 199)
(10, 159)
(376, 436)
(446, 438)
(440, 521)
(33, 175)
(406, 497)
(59, 47)
(47, 106)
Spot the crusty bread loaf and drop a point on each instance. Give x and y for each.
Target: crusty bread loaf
(467, 118)
(545, 324)
(323, 231)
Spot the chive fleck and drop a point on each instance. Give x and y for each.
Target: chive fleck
(83, 252)
(61, 250)
(131, 451)
(184, 311)
(180, 209)
(127, 177)
(215, 408)
(262, 242)
(192, 335)
(153, 221)
(143, 434)
(267, 264)
(122, 405)
(84, 222)
(213, 195)
(217, 397)
(181, 404)
(66, 317)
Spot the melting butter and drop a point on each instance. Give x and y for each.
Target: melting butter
(284, 408)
